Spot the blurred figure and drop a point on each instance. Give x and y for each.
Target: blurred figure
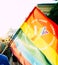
(4, 60)
(54, 13)
(15, 61)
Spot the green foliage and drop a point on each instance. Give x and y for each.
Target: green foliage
(54, 13)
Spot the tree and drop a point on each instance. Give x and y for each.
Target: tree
(54, 13)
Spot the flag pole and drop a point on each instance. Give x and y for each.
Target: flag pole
(9, 44)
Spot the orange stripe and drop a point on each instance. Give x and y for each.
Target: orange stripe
(29, 31)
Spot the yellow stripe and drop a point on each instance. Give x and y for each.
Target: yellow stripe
(49, 52)
(57, 60)
(27, 30)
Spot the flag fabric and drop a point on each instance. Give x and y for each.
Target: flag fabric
(36, 41)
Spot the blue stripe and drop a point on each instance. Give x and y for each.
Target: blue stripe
(26, 54)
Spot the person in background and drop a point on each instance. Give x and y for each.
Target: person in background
(4, 60)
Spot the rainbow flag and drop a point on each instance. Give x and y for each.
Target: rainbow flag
(36, 41)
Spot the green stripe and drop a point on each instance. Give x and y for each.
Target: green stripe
(32, 49)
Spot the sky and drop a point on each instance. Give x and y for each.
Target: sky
(14, 12)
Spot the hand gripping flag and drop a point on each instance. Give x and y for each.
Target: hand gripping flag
(36, 41)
